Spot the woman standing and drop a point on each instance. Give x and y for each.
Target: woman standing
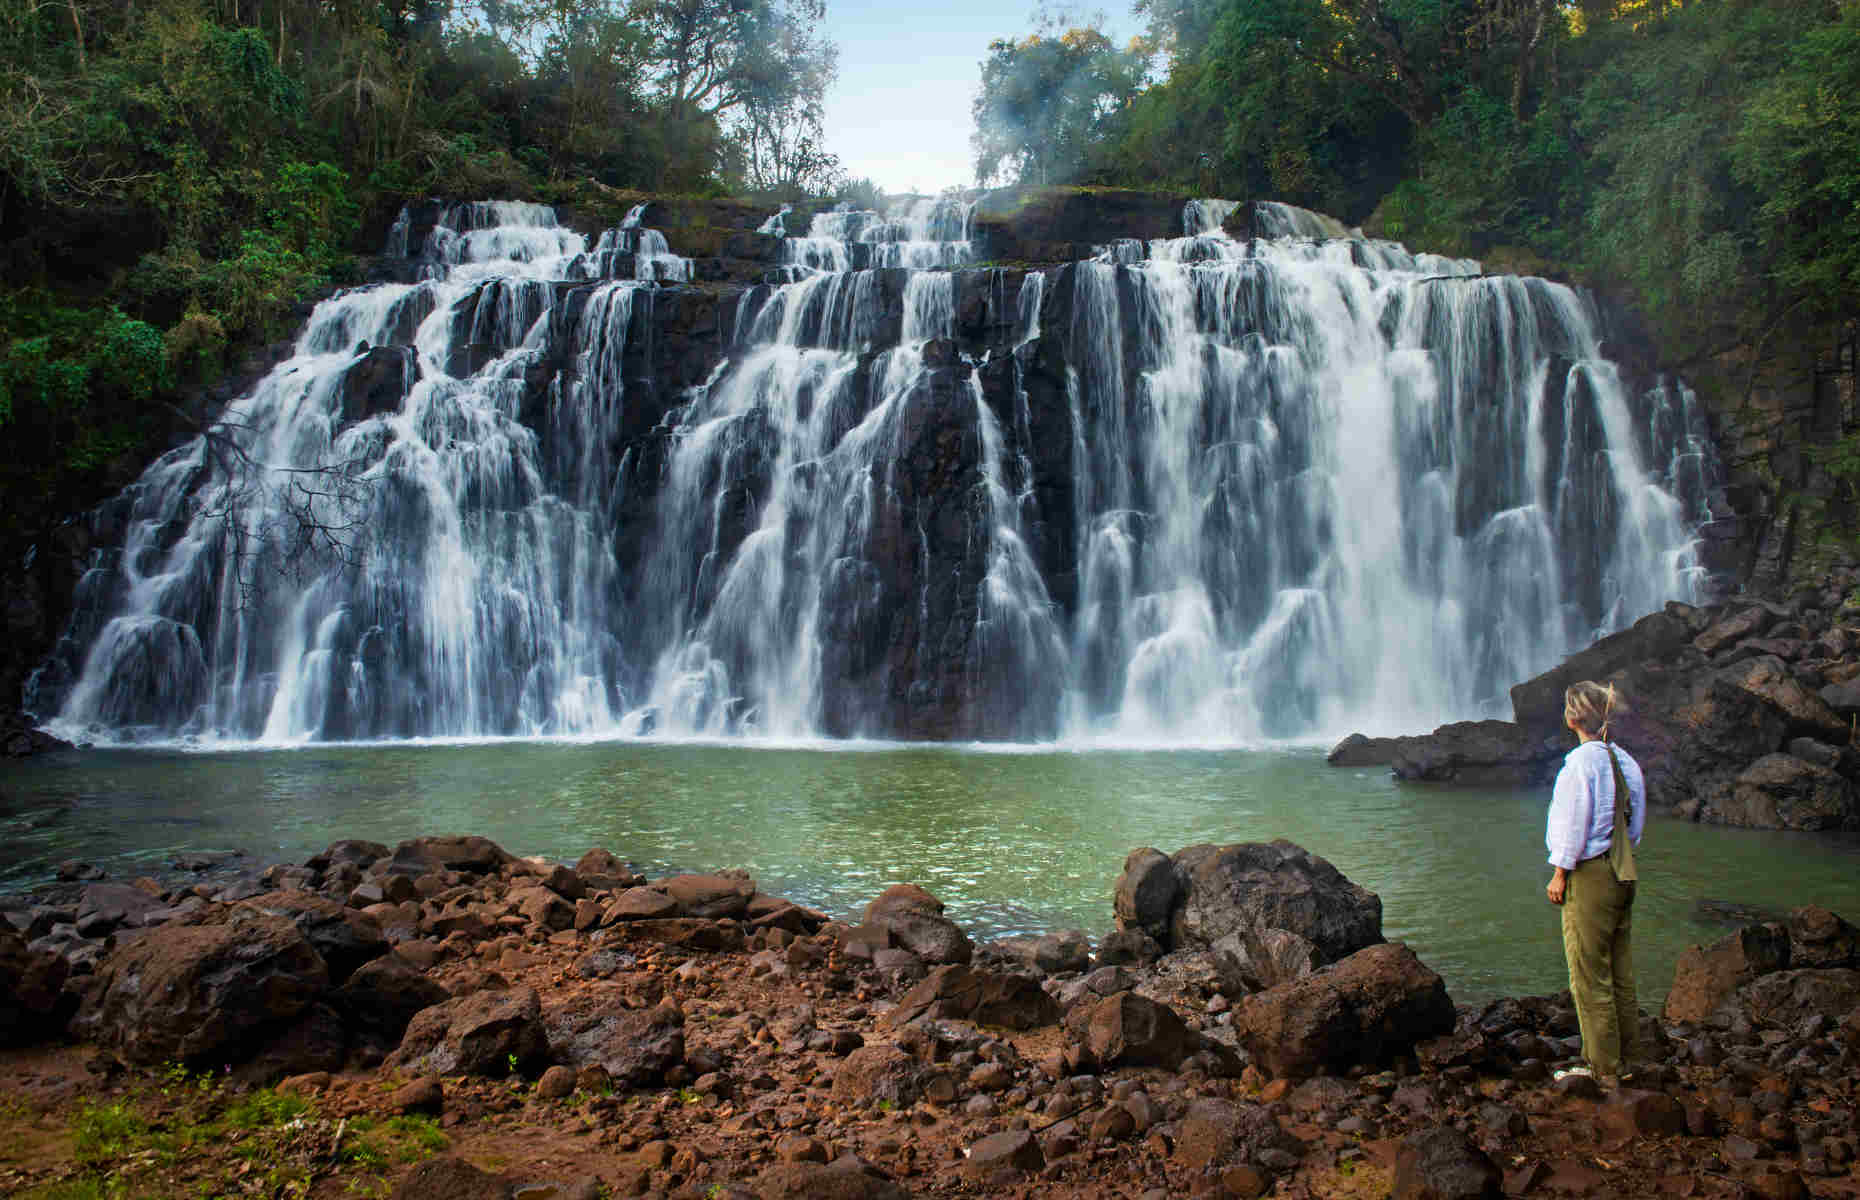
(1591, 839)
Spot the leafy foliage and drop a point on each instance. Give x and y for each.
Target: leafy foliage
(1046, 100)
(1702, 157)
(178, 177)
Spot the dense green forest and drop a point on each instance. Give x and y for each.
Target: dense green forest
(1700, 159)
(176, 176)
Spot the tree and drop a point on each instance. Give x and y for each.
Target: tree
(1046, 101)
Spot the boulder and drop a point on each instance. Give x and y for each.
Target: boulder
(600, 869)
(315, 1041)
(541, 907)
(1360, 751)
(1537, 704)
(693, 933)
(709, 895)
(878, 1073)
(377, 381)
(33, 1006)
(1145, 896)
(1372, 1005)
(1132, 1030)
(1214, 1132)
(1735, 627)
(1257, 960)
(1048, 954)
(1253, 887)
(1784, 999)
(1706, 976)
(594, 1027)
(845, 1179)
(1780, 791)
(1017, 1149)
(109, 906)
(382, 996)
(1819, 938)
(202, 995)
(472, 855)
(449, 1178)
(964, 993)
(1842, 698)
(349, 850)
(914, 920)
(344, 937)
(1479, 753)
(483, 1033)
(641, 904)
(1769, 678)
(1443, 1164)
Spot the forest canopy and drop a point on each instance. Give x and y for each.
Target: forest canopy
(1700, 159)
(176, 176)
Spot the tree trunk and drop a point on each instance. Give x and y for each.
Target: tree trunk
(77, 32)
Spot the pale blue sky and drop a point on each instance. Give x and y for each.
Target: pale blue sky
(900, 111)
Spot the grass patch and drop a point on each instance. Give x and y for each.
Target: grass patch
(103, 1133)
(263, 1109)
(408, 1139)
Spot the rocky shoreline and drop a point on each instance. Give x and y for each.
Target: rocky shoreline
(1741, 714)
(445, 1019)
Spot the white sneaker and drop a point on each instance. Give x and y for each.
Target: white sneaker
(1567, 1072)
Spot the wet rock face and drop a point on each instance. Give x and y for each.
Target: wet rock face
(1376, 1003)
(200, 994)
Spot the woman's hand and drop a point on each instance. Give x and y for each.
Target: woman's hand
(1558, 886)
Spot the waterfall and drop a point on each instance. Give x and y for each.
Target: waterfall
(1189, 490)
(1325, 482)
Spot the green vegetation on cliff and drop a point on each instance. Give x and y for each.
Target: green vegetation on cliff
(177, 177)
(1700, 160)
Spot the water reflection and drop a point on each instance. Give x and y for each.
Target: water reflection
(1011, 841)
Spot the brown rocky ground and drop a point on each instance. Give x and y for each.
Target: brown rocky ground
(508, 1027)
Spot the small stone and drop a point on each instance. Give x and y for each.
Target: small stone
(797, 1149)
(557, 1083)
(1015, 1148)
(305, 1085)
(422, 1095)
(1113, 1124)
(1244, 1182)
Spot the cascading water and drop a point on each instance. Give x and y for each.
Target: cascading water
(454, 573)
(1195, 490)
(1324, 482)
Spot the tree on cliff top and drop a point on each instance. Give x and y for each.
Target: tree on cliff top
(1046, 101)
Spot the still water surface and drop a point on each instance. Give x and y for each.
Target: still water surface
(1011, 840)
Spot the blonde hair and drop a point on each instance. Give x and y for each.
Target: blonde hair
(1590, 706)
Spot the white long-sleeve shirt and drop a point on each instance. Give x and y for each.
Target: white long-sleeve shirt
(1581, 824)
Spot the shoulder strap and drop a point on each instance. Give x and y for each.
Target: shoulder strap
(1621, 848)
